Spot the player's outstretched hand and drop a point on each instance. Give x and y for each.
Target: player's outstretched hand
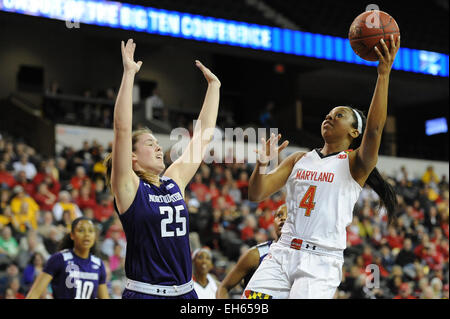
(128, 57)
(209, 76)
(270, 149)
(387, 58)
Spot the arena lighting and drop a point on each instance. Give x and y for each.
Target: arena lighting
(227, 32)
(436, 126)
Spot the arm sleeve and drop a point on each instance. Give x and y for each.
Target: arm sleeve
(54, 265)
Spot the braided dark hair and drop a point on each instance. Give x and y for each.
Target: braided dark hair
(384, 190)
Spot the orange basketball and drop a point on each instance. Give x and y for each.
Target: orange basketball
(368, 29)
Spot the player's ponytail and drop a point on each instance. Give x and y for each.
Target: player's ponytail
(384, 190)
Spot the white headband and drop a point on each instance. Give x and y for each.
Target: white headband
(199, 250)
(360, 122)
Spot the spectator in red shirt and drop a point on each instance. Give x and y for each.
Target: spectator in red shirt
(278, 200)
(213, 191)
(199, 189)
(45, 175)
(223, 203)
(105, 210)
(77, 180)
(242, 184)
(437, 235)
(393, 239)
(85, 200)
(248, 232)
(419, 251)
(266, 219)
(14, 286)
(115, 231)
(367, 255)
(41, 173)
(6, 177)
(404, 292)
(268, 203)
(226, 195)
(44, 198)
(379, 262)
(445, 226)
(443, 248)
(417, 211)
(432, 257)
(21, 179)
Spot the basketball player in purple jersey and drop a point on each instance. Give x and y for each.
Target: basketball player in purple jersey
(74, 272)
(152, 208)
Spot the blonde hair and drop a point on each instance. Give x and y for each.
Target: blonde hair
(146, 176)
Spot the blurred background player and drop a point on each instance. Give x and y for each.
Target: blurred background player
(74, 272)
(205, 284)
(152, 209)
(323, 187)
(249, 262)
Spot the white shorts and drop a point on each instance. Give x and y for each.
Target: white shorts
(287, 273)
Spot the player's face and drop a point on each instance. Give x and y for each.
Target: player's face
(148, 155)
(280, 218)
(338, 123)
(203, 263)
(83, 235)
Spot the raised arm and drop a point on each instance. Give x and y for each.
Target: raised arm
(366, 156)
(184, 168)
(262, 185)
(124, 182)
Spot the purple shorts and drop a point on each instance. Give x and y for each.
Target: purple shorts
(130, 294)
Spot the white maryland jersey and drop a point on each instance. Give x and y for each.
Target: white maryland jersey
(321, 195)
(208, 292)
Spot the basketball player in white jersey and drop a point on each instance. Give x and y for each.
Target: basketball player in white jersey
(205, 285)
(322, 188)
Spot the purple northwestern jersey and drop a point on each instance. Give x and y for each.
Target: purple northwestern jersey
(157, 233)
(75, 277)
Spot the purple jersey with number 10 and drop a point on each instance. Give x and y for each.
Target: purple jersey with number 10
(75, 277)
(156, 226)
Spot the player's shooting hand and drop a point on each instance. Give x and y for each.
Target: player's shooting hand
(209, 76)
(387, 58)
(128, 57)
(270, 149)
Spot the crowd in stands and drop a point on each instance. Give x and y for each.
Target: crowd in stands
(39, 197)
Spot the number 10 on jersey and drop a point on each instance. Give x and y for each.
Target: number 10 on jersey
(307, 201)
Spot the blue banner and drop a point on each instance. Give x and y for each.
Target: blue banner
(227, 32)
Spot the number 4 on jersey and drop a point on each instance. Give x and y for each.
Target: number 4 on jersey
(307, 201)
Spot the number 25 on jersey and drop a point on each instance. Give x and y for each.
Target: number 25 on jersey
(307, 201)
(180, 231)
